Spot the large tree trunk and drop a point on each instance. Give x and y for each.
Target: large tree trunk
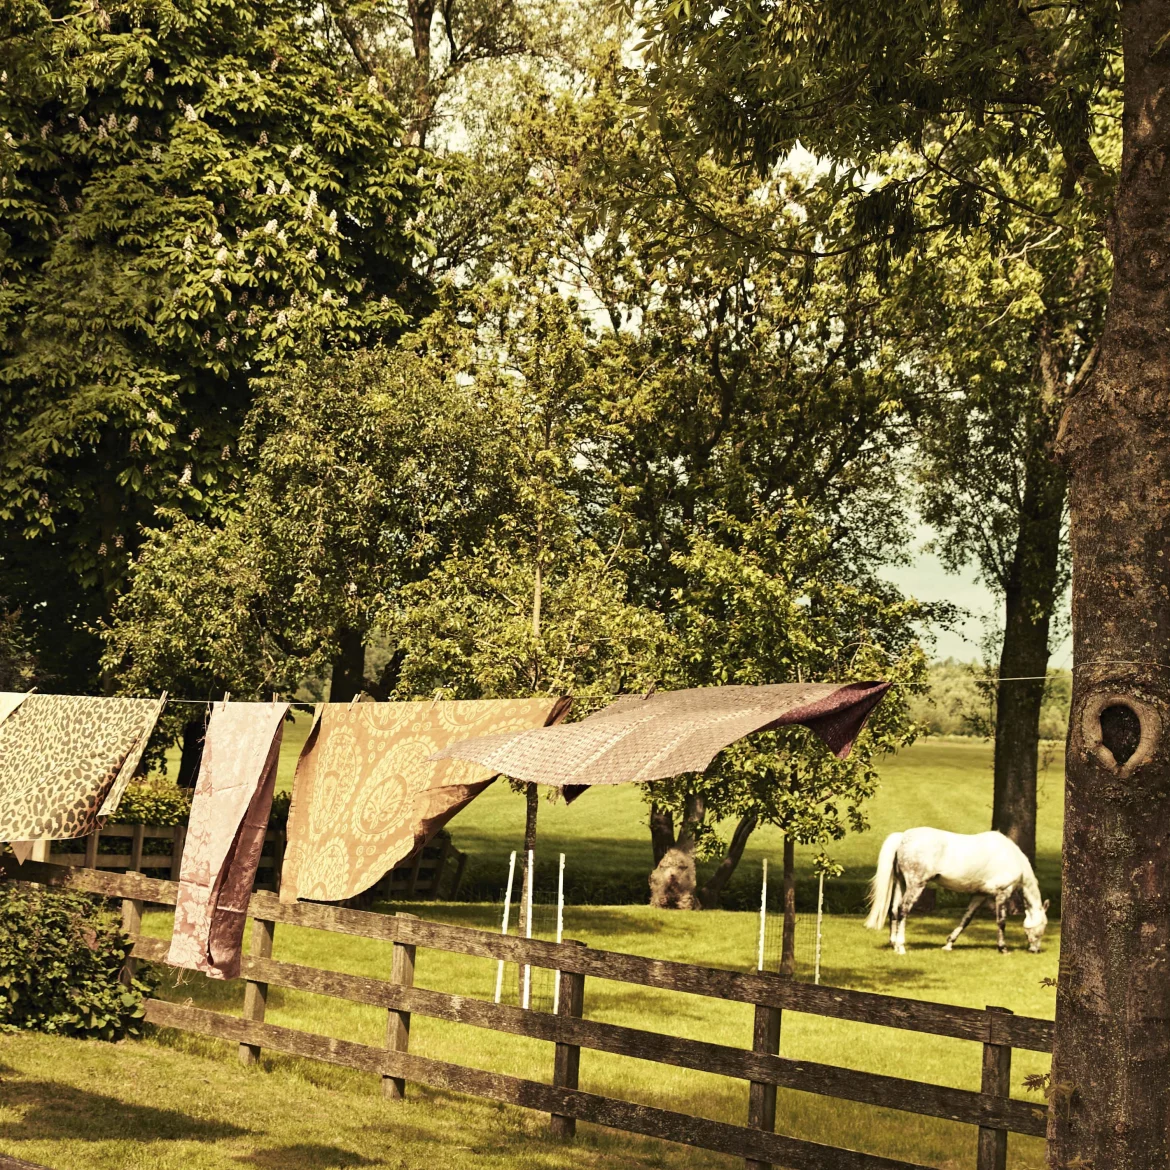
(661, 831)
(1029, 596)
(348, 673)
(1111, 1092)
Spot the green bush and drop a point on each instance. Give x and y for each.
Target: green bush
(153, 802)
(278, 816)
(60, 957)
(157, 801)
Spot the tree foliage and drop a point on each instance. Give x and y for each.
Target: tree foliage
(764, 601)
(363, 471)
(187, 190)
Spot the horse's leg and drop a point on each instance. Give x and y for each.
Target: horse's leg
(968, 914)
(895, 906)
(1001, 906)
(912, 894)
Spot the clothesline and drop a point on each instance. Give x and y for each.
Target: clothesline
(1008, 678)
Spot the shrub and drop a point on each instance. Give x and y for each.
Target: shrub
(278, 816)
(153, 802)
(61, 954)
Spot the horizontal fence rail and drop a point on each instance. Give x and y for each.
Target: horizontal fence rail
(123, 847)
(991, 1109)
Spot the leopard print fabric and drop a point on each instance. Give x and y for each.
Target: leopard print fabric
(65, 761)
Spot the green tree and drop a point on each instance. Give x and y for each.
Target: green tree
(724, 381)
(1014, 84)
(186, 192)
(763, 601)
(541, 604)
(18, 664)
(364, 470)
(1007, 334)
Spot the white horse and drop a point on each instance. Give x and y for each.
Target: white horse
(985, 865)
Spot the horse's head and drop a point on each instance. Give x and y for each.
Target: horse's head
(1035, 920)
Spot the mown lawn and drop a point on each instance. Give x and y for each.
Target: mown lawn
(176, 1101)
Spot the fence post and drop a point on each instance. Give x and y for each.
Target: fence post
(997, 1082)
(91, 849)
(567, 1058)
(132, 907)
(177, 843)
(132, 927)
(136, 843)
(761, 1096)
(398, 1022)
(256, 991)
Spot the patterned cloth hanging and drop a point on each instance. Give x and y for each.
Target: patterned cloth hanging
(65, 761)
(638, 739)
(225, 835)
(366, 795)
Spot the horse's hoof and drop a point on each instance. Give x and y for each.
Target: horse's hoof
(947, 947)
(1002, 950)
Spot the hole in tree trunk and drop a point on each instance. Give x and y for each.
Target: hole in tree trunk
(1121, 731)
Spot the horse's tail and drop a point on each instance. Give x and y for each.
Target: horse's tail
(881, 887)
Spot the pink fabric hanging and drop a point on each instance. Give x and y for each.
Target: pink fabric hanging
(225, 834)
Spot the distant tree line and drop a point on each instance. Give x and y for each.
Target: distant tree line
(962, 697)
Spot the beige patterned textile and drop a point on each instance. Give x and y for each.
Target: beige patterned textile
(225, 834)
(65, 761)
(366, 794)
(636, 739)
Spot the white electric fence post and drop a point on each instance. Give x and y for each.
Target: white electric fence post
(528, 934)
(763, 917)
(820, 916)
(560, 931)
(504, 925)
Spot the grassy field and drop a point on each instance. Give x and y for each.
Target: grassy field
(944, 782)
(173, 1102)
(176, 1101)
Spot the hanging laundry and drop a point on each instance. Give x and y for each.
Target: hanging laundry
(638, 738)
(225, 834)
(65, 761)
(366, 795)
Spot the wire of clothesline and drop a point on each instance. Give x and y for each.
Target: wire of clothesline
(1011, 678)
(209, 702)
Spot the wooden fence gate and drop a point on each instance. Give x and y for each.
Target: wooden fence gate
(991, 1109)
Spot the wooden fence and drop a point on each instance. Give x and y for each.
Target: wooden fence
(992, 1108)
(420, 876)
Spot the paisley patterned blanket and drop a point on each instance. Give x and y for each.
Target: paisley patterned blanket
(366, 795)
(65, 761)
(225, 833)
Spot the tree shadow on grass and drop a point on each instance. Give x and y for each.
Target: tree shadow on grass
(304, 1156)
(52, 1110)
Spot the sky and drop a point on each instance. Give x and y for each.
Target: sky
(926, 579)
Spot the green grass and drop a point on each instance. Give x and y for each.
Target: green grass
(177, 1101)
(943, 782)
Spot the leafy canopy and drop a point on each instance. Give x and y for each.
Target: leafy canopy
(187, 189)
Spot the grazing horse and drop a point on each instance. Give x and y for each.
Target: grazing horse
(984, 865)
